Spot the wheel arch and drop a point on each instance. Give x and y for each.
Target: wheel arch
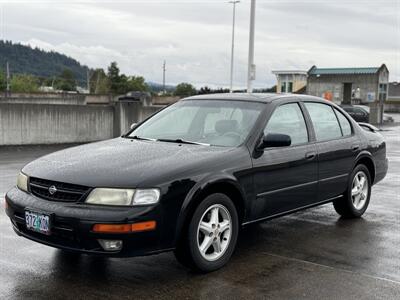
(222, 184)
(366, 159)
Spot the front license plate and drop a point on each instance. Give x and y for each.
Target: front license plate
(37, 222)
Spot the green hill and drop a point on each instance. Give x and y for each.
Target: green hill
(26, 60)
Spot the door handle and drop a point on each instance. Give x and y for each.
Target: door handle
(310, 155)
(355, 147)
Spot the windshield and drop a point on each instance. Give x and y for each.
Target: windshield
(213, 122)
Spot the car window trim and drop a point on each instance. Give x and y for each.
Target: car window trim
(336, 111)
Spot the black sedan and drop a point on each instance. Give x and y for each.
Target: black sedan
(360, 113)
(190, 176)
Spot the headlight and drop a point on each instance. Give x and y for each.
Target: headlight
(22, 182)
(123, 196)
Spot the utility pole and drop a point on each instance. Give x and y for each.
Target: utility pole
(97, 83)
(233, 41)
(8, 80)
(88, 80)
(251, 66)
(164, 69)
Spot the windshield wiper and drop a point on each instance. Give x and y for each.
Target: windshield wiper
(181, 141)
(135, 137)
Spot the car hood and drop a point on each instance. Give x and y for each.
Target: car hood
(124, 162)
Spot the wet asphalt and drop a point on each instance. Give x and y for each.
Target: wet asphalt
(312, 254)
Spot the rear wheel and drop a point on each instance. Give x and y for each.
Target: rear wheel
(212, 234)
(355, 201)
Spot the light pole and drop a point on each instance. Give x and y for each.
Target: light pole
(233, 41)
(251, 66)
(163, 78)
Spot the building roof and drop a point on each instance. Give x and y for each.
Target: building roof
(289, 72)
(339, 71)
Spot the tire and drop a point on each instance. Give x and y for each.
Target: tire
(355, 200)
(217, 235)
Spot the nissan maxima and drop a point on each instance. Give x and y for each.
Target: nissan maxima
(190, 176)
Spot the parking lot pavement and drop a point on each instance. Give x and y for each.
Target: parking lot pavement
(309, 255)
(395, 116)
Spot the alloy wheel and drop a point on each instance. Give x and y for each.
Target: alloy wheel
(214, 232)
(359, 190)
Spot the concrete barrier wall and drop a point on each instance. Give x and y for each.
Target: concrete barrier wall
(163, 100)
(128, 113)
(44, 98)
(53, 124)
(392, 106)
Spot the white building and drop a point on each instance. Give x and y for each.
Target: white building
(290, 81)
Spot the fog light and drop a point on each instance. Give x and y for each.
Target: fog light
(111, 245)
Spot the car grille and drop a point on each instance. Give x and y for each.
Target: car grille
(66, 192)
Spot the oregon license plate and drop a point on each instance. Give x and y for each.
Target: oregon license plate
(37, 222)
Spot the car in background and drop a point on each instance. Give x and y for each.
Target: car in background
(360, 113)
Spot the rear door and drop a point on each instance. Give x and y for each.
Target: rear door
(337, 148)
(285, 178)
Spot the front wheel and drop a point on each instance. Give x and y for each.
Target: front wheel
(355, 201)
(212, 234)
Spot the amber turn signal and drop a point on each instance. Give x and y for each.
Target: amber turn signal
(124, 228)
(144, 226)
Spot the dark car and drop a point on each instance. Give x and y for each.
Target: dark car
(189, 177)
(360, 113)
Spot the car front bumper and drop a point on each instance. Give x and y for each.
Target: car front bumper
(72, 225)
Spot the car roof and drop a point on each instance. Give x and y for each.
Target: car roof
(255, 97)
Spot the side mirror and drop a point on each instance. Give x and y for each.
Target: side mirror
(133, 125)
(275, 140)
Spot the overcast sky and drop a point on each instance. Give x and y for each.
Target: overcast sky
(194, 37)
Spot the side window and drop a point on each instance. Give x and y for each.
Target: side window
(288, 119)
(344, 123)
(324, 121)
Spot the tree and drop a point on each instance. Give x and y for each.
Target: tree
(115, 79)
(22, 83)
(99, 83)
(121, 84)
(24, 59)
(3, 83)
(136, 84)
(66, 81)
(266, 90)
(205, 90)
(185, 89)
